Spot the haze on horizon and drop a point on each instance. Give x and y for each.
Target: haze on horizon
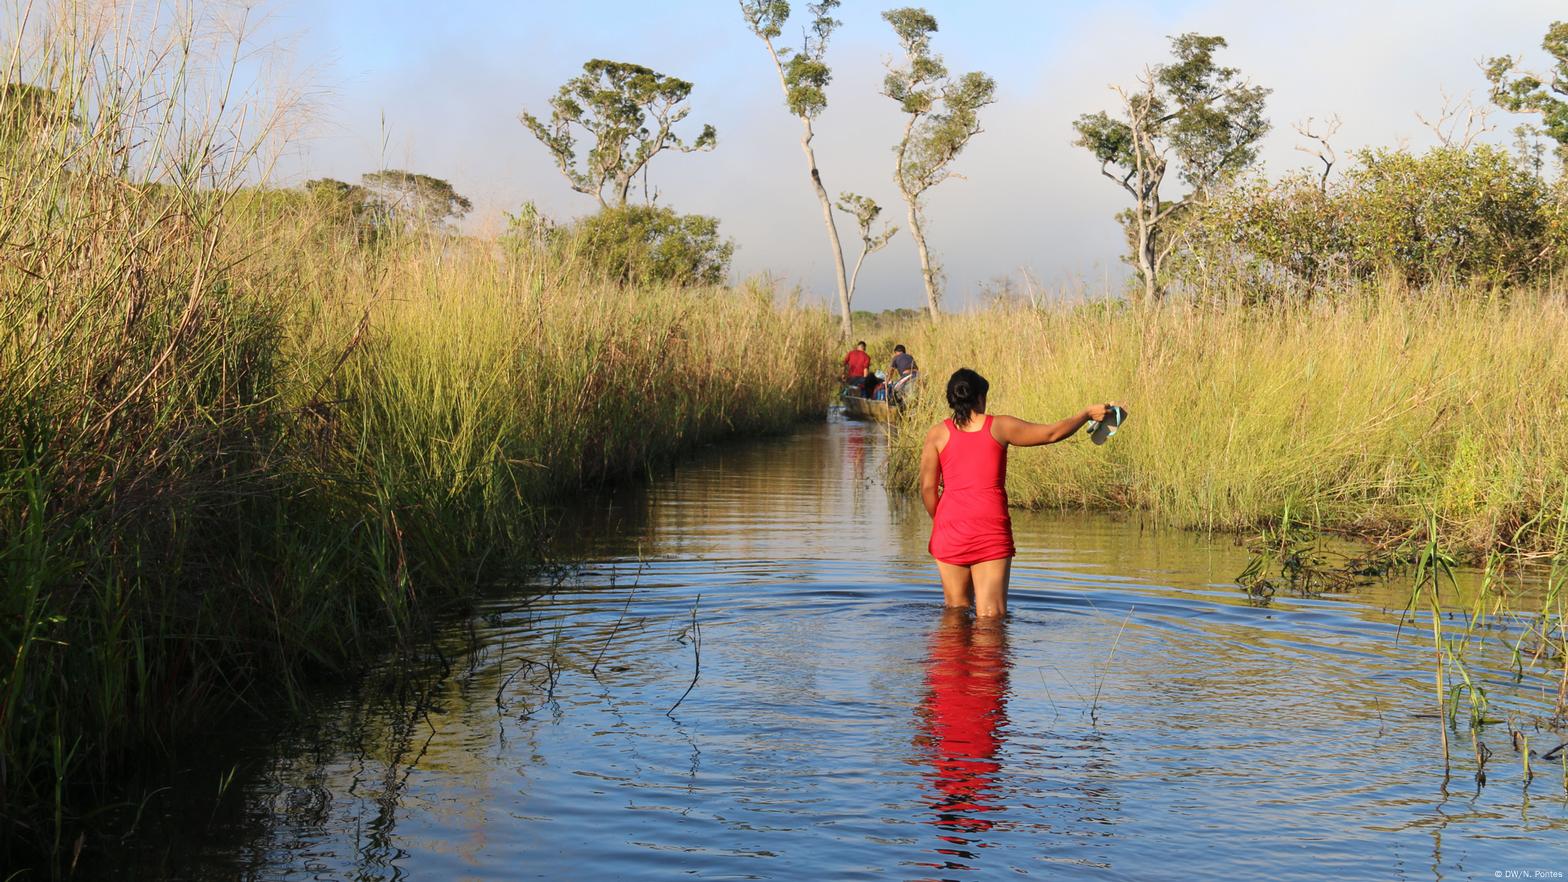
(396, 86)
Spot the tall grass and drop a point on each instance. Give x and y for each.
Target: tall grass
(238, 446)
(1365, 412)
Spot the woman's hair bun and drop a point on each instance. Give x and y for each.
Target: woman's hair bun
(965, 388)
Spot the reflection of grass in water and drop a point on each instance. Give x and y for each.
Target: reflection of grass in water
(240, 446)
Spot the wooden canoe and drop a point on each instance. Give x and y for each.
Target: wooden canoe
(858, 408)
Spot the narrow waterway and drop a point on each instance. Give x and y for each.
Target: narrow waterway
(752, 678)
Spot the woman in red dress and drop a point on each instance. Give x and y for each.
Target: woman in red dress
(963, 476)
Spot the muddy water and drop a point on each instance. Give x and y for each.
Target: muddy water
(752, 678)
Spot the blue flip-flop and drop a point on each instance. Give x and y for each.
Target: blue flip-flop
(1101, 431)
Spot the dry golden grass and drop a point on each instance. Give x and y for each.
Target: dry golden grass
(1365, 412)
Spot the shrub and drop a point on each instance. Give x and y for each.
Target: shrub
(1471, 215)
(648, 245)
(1474, 213)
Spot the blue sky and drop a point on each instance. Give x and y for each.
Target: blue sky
(437, 88)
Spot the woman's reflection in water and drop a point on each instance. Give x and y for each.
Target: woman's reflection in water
(963, 717)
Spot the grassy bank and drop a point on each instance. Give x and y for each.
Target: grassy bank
(1367, 413)
(338, 448)
(241, 445)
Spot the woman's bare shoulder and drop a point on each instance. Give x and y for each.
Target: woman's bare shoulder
(1002, 427)
(936, 436)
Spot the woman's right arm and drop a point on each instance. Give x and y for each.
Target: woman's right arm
(1022, 433)
(931, 469)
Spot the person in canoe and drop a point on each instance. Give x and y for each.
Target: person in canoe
(857, 363)
(963, 476)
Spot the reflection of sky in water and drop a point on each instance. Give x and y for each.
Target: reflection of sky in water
(842, 727)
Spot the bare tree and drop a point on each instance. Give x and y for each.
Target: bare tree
(804, 77)
(944, 114)
(865, 211)
(1192, 110)
(1321, 146)
(1447, 125)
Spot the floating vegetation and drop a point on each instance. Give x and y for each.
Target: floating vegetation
(1298, 558)
(1532, 634)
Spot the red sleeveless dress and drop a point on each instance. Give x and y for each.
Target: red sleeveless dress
(971, 523)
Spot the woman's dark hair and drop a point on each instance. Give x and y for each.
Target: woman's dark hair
(965, 388)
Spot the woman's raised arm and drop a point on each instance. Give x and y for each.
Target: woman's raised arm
(1022, 433)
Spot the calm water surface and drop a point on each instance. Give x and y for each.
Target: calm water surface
(1135, 718)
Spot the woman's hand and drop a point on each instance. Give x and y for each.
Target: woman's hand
(1021, 433)
(1099, 412)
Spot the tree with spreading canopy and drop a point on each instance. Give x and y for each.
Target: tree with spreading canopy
(804, 77)
(1203, 115)
(630, 112)
(387, 200)
(943, 116)
(411, 200)
(1541, 93)
(865, 211)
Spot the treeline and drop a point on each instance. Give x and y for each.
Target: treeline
(1454, 214)
(1464, 211)
(1183, 144)
(608, 124)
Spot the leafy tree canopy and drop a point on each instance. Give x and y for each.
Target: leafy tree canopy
(387, 200)
(635, 245)
(945, 112)
(1204, 113)
(629, 111)
(26, 109)
(1542, 93)
(412, 199)
(865, 211)
(806, 76)
(1469, 214)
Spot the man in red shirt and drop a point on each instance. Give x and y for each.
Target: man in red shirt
(856, 363)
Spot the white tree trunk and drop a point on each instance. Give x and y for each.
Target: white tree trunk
(912, 201)
(854, 274)
(927, 272)
(846, 324)
(1148, 265)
